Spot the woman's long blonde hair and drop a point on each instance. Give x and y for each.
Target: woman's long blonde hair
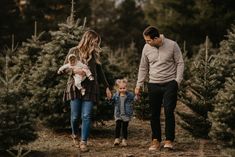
(90, 43)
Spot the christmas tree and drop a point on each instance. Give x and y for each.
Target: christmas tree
(201, 87)
(16, 119)
(223, 115)
(46, 86)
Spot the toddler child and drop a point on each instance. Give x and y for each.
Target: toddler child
(72, 63)
(123, 111)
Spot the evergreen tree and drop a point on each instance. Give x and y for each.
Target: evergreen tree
(28, 53)
(130, 24)
(125, 63)
(49, 13)
(222, 117)
(203, 85)
(142, 108)
(185, 19)
(10, 19)
(16, 118)
(45, 85)
(127, 60)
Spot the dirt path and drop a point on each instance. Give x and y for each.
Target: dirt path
(59, 144)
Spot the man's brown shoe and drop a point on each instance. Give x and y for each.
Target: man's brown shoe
(155, 145)
(168, 144)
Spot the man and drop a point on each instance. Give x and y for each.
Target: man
(163, 63)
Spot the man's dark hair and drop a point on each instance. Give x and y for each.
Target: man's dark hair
(151, 31)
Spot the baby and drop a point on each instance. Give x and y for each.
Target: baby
(74, 62)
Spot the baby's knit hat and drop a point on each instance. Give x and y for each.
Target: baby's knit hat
(71, 55)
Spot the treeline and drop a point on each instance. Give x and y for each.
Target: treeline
(122, 22)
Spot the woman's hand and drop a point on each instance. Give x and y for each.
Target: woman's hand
(78, 71)
(108, 93)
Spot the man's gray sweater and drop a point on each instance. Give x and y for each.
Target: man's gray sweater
(161, 64)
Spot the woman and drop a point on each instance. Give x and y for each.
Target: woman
(87, 52)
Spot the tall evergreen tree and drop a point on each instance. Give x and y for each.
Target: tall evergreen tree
(45, 85)
(130, 24)
(28, 53)
(185, 19)
(223, 115)
(127, 59)
(10, 19)
(49, 13)
(16, 119)
(203, 85)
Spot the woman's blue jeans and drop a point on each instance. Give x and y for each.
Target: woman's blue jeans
(81, 108)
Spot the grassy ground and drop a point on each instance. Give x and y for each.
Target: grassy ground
(59, 144)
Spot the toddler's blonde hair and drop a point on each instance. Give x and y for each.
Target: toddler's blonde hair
(119, 82)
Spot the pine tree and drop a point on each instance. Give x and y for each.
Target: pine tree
(201, 88)
(125, 64)
(223, 115)
(16, 119)
(28, 53)
(142, 108)
(45, 85)
(127, 60)
(130, 16)
(121, 63)
(185, 19)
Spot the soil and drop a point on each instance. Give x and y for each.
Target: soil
(59, 144)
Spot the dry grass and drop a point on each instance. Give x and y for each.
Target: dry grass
(59, 144)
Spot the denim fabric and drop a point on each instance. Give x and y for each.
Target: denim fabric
(81, 109)
(127, 104)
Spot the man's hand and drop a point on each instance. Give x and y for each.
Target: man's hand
(137, 90)
(137, 93)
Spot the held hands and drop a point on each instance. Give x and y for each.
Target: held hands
(137, 93)
(108, 93)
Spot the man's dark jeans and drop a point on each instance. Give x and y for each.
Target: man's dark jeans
(165, 95)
